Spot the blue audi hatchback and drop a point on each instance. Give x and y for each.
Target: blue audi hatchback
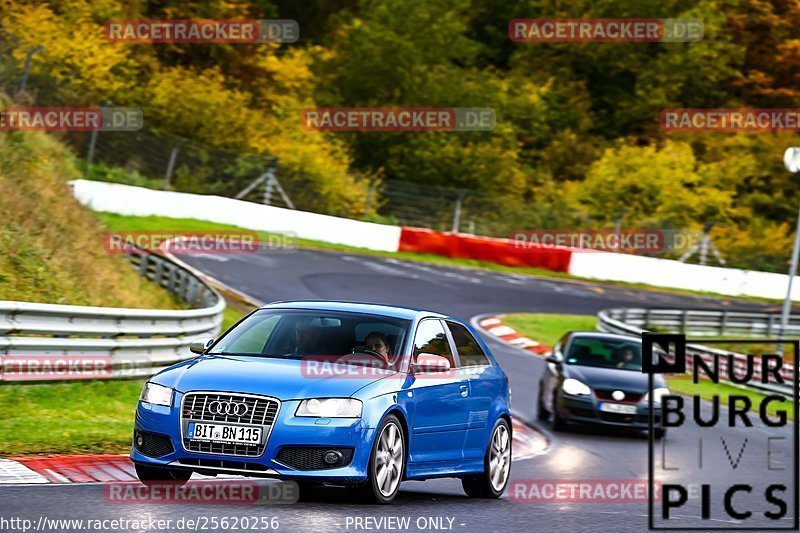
(338, 393)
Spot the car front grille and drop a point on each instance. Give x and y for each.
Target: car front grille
(221, 464)
(617, 418)
(261, 411)
(630, 397)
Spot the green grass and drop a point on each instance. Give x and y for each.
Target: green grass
(547, 329)
(77, 417)
(122, 223)
(707, 389)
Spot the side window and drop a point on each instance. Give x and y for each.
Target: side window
(431, 338)
(469, 351)
(562, 342)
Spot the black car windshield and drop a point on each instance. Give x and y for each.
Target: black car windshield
(605, 353)
(328, 335)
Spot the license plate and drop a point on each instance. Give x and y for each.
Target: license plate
(619, 408)
(224, 433)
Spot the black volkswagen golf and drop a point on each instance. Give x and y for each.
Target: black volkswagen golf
(596, 378)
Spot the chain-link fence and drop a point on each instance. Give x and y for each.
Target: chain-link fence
(156, 158)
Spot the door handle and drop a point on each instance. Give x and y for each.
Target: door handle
(464, 391)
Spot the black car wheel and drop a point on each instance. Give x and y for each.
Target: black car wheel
(659, 433)
(558, 423)
(153, 476)
(496, 465)
(542, 414)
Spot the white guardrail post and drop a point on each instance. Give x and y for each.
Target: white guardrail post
(702, 323)
(138, 342)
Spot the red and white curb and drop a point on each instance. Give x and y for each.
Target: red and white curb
(119, 468)
(494, 325)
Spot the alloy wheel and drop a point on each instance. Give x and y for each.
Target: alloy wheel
(389, 459)
(499, 457)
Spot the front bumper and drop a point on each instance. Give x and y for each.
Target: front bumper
(287, 431)
(586, 409)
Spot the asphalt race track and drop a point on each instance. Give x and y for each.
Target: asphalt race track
(580, 453)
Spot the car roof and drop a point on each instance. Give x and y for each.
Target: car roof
(603, 335)
(394, 311)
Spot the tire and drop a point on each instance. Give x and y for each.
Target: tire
(309, 491)
(558, 423)
(149, 475)
(542, 414)
(659, 433)
(386, 466)
(498, 456)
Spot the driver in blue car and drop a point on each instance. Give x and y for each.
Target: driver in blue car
(377, 342)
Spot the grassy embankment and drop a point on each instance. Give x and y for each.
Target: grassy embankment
(52, 250)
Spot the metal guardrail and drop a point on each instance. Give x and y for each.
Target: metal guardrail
(693, 323)
(700, 323)
(138, 342)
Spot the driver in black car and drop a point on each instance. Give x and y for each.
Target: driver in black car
(628, 359)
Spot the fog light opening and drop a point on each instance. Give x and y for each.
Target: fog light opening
(332, 457)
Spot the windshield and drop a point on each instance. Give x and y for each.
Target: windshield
(605, 353)
(299, 334)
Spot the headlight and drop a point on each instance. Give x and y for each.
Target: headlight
(330, 408)
(657, 394)
(156, 394)
(575, 387)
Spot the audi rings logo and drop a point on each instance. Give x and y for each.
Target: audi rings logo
(218, 407)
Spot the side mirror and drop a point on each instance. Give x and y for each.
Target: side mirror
(201, 345)
(428, 362)
(552, 358)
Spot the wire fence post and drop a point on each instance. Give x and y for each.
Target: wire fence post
(90, 152)
(171, 163)
(457, 212)
(23, 82)
(368, 199)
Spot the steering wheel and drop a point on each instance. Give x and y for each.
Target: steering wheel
(368, 351)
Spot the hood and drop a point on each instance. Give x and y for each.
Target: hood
(612, 378)
(285, 379)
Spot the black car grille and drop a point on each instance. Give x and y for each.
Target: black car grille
(312, 457)
(630, 397)
(261, 411)
(618, 418)
(152, 444)
(221, 463)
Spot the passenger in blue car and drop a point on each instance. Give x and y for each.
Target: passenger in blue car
(307, 337)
